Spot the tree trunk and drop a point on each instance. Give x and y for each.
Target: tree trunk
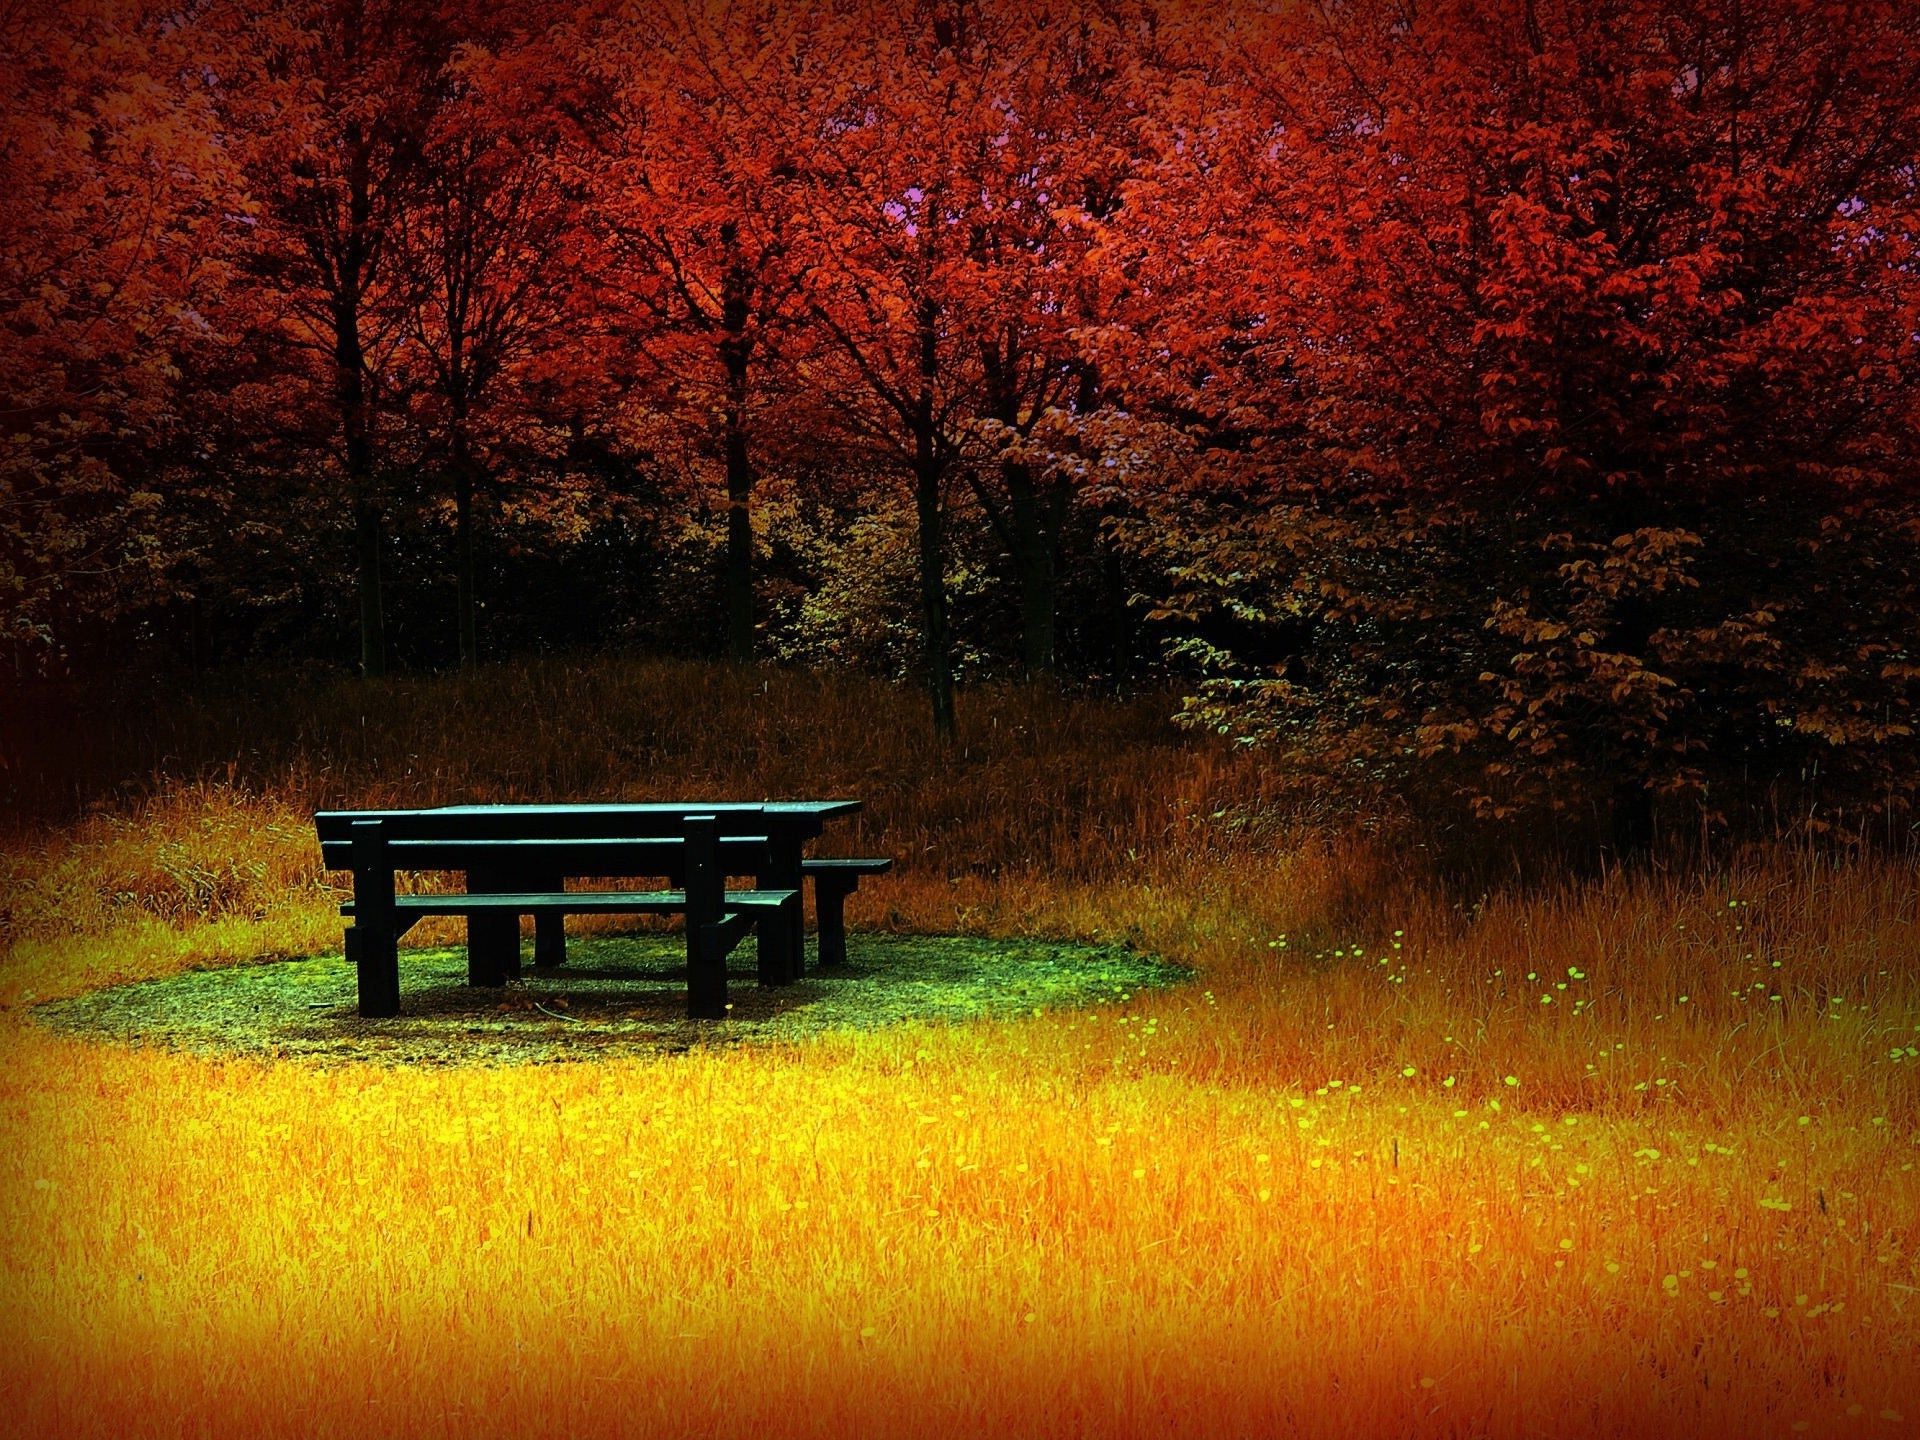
(373, 642)
(1630, 822)
(739, 587)
(1630, 765)
(351, 388)
(736, 354)
(928, 470)
(933, 588)
(463, 560)
(1033, 548)
(356, 426)
(1630, 810)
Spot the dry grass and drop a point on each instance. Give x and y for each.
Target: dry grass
(1375, 1172)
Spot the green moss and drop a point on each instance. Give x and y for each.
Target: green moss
(617, 995)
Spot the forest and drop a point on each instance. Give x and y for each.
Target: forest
(1508, 406)
(1360, 560)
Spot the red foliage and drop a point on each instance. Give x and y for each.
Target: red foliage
(1523, 388)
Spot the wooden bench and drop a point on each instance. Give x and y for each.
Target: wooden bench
(834, 880)
(716, 919)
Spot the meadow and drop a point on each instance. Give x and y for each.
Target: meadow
(1617, 1154)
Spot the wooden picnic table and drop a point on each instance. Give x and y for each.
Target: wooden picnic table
(517, 859)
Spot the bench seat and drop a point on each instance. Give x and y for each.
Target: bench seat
(835, 878)
(576, 902)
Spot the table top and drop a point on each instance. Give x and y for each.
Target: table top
(786, 824)
(822, 808)
(784, 821)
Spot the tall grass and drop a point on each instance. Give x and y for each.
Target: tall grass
(1626, 1155)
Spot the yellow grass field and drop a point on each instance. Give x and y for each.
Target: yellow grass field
(1628, 1156)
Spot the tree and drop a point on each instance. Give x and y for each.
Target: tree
(328, 104)
(1050, 170)
(113, 250)
(706, 127)
(483, 258)
(1565, 391)
(931, 277)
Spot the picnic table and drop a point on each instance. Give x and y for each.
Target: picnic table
(517, 859)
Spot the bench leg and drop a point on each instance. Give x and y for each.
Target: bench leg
(797, 929)
(773, 943)
(377, 958)
(829, 901)
(766, 947)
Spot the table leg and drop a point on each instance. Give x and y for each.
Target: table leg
(493, 939)
(379, 969)
(706, 965)
(783, 936)
(373, 941)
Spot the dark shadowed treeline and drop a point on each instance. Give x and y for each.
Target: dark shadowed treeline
(1506, 408)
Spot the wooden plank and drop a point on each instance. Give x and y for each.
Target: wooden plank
(678, 811)
(609, 821)
(512, 824)
(846, 865)
(654, 855)
(757, 900)
(331, 822)
(561, 902)
(581, 902)
(727, 933)
(681, 810)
